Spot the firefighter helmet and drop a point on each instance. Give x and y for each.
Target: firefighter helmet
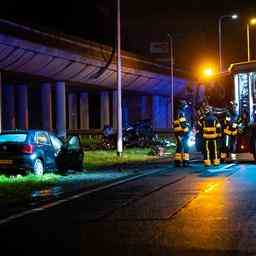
(182, 104)
(208, 109)
(232, 106)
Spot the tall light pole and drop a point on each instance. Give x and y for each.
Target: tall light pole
(221, 18)
(119, 85)
(252, 22)
(172, 79)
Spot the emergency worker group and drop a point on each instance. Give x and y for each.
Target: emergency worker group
(217, 138)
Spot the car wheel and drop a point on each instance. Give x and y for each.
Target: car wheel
(38, 167)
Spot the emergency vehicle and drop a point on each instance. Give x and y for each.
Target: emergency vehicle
(244, 94)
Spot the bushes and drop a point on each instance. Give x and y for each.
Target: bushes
(96, 142)
(91, 142)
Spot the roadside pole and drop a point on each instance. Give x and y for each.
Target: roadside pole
(119, 85)
(171, 66)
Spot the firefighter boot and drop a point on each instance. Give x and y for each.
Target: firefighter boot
(185, 158)
(216, 162)
(207, 163)
(223, 157)
(233, 157)
(178, 159)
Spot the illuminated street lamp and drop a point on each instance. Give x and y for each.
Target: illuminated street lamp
(207, 71)
(252, 22)
(233, 17)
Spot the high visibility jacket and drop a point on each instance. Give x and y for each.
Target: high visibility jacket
(231, 123)
(210, 127)
(181, 123)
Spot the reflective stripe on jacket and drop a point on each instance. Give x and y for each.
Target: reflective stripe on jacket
(211, 128)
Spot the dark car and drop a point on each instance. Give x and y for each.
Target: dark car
(39, 151)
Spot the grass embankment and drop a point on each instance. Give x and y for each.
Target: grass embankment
(20, 188)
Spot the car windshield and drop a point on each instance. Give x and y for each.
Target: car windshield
(14, 137)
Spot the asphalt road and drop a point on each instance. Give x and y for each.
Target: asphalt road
(186, 211)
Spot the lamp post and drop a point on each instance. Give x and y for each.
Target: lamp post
(172, 80)
(119, 85)
(252, 22)
(221, 18)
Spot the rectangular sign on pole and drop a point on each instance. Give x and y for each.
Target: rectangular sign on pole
(159, 48)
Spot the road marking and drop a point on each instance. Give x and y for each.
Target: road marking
(223, 168)
(71, 198)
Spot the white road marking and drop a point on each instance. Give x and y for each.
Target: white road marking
(221, 169)
(71, 198)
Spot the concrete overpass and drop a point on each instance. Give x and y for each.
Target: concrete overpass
(60, 82)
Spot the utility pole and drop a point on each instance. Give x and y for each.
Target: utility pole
(248, 42)
(119, 85)
(171, 66)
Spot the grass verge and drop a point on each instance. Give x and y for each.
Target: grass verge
(101, 158)
(21, 188)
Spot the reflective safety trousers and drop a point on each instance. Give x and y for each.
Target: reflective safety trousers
(182, 150)
(210, 152)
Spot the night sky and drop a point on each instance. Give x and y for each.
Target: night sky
(194, 25)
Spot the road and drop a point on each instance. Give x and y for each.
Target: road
(186, 211)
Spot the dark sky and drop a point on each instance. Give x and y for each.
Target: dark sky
(193, 23)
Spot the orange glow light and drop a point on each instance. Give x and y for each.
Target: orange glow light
(208, 72)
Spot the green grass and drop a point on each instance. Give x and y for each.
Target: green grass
(101, 158)
(21, 187)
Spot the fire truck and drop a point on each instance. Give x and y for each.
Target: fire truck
(244, 94)
(239, 85)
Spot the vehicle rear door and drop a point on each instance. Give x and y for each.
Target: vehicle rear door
(44, 144)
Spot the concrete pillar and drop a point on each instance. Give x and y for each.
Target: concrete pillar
(72, 111)
(104, 109)
(9, 107)
(60, 109)
(155, 111)
(84, 111)
(114, 122)
(46, 106)
(125, 113)
(160, 111)
(143, 107)
(22, 106)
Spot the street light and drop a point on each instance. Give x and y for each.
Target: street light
(208, 72)
(221, 18)
(252, 22)
(171, 63)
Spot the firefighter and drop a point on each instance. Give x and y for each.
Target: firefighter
(211, 132)
(230, 132)
(181, 131)
(200, 115)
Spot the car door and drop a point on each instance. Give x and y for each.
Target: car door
(45, 145)
(57, 144)
(71, 155)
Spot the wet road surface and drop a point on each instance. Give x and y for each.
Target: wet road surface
(186, 211)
